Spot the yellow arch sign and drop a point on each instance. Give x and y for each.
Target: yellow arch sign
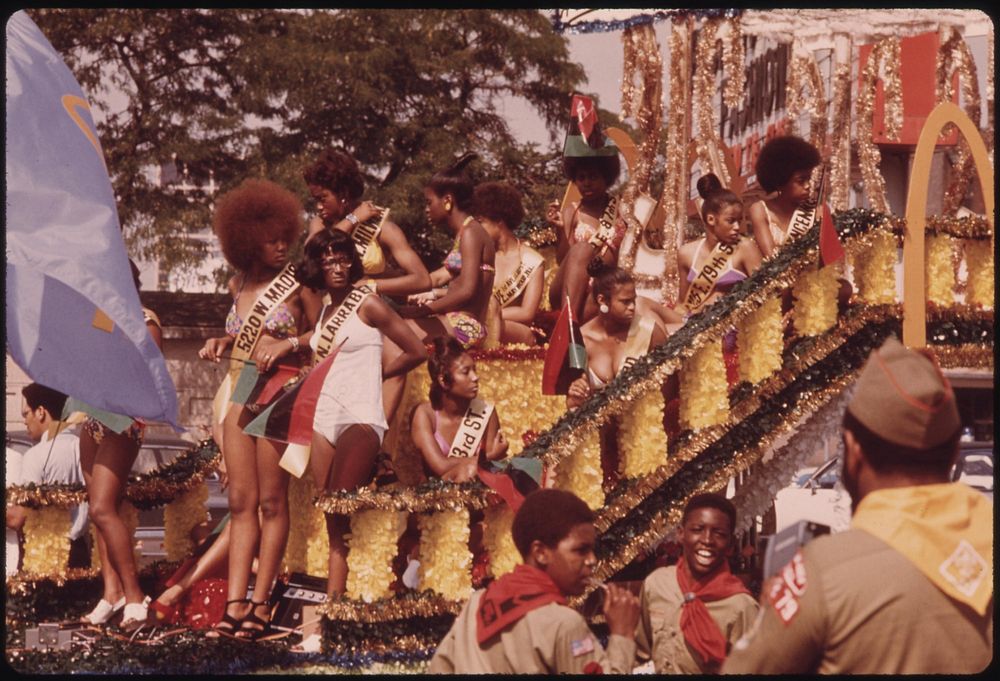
(914, 294)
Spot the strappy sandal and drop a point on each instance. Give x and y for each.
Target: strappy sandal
(259, 627)
(228, 625)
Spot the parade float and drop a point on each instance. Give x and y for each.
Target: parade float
(928, 278)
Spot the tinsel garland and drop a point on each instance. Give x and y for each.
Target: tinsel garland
(580, 473)
(308, 546)
(433, 495)
(734, 89)
(641, 439)
(965, 227)
(941, 252)
(407, 605)
(755, 497)
(760, 342)
(445, 559)
(874, 267)
(572, 25)
(498, 540)
(180, 517)
(803, 73)
(46, 541)
(979, 264)
(372, 546)
(707, 141)
(703, 389)
(840, 138)
(815, 295)
(675, 168)
(954, 55)
(645, 104)
(885, 54)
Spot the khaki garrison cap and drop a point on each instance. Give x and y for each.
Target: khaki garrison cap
(902, 396)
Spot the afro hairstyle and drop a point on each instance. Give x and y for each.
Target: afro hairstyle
(500, 202)
(337, 171)
(250, 215)
(782, 157)
(309, 271)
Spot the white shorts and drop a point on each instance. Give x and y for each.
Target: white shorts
(332, 419)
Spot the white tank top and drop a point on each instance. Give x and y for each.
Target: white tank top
(355, 379)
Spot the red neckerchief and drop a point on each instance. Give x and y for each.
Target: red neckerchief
(513, 596)
(700, 630)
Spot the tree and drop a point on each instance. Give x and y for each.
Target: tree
(240, 93)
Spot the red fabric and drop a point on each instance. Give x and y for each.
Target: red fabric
(300, 427)
(204, 604)
(582, 109)
(830, 248)
(700, 630)
(513, 596)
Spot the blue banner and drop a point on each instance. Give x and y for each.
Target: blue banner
(74, 321)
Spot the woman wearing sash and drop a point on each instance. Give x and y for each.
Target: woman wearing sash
(456, 428)
(106, 457)
(784, 170)
(710, 266)
(520, 274)
(392, 267)
(349, 423)
(256, 223)
(461, 312)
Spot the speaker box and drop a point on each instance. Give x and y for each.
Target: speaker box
(296, 601)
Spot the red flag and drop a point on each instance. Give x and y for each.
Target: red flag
(565, 356)
(582, 110)
(830, 248)
(513, 480)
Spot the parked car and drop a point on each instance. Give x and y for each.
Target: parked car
(156, 451)
(975, 467)
(817, 496)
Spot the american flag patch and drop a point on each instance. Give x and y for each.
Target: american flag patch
(582, 647)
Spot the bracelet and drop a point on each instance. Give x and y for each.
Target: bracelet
(353, 219)
(294, 340)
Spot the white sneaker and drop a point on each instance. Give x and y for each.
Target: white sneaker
(103, 611)
(135, 615)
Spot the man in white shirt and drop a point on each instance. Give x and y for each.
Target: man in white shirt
(54, 460)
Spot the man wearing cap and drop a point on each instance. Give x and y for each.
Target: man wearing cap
(909, 588)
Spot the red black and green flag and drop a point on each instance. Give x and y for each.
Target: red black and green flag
(253, 387)
(513, 479)
(565, 358)
(289, 418)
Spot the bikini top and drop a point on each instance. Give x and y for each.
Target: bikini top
(443, 444)
(373, 259)
(280, 323)
(728, 278)
(453, 262)
(777, 233)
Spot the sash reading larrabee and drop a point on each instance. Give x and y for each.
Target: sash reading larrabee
(278, 291)
(704, 283)
(473, 427)
(512, 287)
(637, 343)
(606, 231)
(365, 233)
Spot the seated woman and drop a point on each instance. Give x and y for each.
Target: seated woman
(456, 428)
(722, 215)
(349, 422)
(784, 170)
(392, 267)
(520, 272)
(616, 337)
(461, 312)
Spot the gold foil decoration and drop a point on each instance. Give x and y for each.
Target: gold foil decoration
(884, 55)
(803, 73)
(734, 89)
(954, 55)
(840, 139)
(707, 142)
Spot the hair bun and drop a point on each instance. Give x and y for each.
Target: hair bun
(708, 184)
(596, 267)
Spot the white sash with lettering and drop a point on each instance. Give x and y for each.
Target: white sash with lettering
(637, 343)
(281, 288)
(296, 456)
(511, 288)
(702, 286)
(606, 229)
(472, 429)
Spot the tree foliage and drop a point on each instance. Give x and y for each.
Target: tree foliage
(236, 93)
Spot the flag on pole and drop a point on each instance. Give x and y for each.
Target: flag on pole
(290, 417)
(566, 357)
(830, 248)
(513, 479)
(253, 387)
(74, 320)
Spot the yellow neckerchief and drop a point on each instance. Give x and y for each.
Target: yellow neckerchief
(945, 530)
(528, 261)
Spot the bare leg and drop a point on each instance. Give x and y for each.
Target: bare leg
(576, 281)
(107, 483)
(112, 585)
(516, 332)
(210, 563)
(240, 456)
(353, 464)
(273, 482)
(428, 328)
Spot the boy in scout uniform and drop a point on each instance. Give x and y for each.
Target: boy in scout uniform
(694, 611)
(520, 624)
(909, 588)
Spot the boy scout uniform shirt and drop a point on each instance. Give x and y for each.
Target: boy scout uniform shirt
(659, 634)
(850, 604)
(551, 639)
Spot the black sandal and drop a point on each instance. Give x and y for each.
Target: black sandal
(259, 626)
(231, 624)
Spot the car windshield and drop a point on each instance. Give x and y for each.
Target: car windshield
(977, 466)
